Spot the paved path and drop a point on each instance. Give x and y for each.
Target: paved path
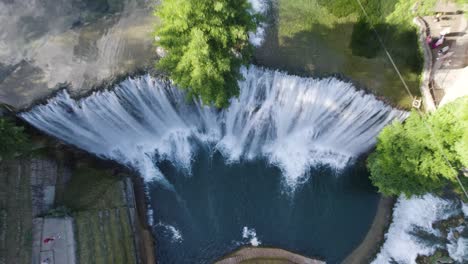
(252, 253)
(43, 179)
(61, 249)
(450, 72)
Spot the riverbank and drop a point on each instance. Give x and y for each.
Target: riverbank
(321, 61)
(108, 205)
(449, 71)
(103, 200)
(105, 41)
(310, 38)
(252, 255)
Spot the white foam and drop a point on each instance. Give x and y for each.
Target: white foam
(458, 248)
(294, 122)
(149, 208)
(411, 216)
(251, 235)
(175, 234)
(256, 38)
(465, 209)
(260, 7)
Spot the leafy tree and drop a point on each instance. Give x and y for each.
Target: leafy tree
(206, 43)
(408, 157)
(12, 139)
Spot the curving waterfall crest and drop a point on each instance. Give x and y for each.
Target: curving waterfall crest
(294, 122)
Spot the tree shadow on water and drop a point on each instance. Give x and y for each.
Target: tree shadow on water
(347, 52)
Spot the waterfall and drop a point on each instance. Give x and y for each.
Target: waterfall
(412, 232)
(293, 122)
(259, 7)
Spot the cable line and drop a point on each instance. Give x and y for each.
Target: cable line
(439, 145)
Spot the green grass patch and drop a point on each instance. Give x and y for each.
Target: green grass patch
(91, 189)
(118, 238)
(98, 239)
(127, 236)
(84, 236)
(13, 140)
(103, 229)
(97, 202)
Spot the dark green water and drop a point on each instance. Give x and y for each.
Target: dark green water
(327, 216)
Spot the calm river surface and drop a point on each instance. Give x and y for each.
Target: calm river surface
(220, 207)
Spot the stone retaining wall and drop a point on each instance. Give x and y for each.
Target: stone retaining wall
(427, 77)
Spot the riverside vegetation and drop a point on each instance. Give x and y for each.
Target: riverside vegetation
(411, 159)
(206, 43)
(94, 197)
(406, 158)
(15, 195)
(319, 37)
(13, 139)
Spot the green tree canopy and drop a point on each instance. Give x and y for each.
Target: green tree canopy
(408, 157)
(12, 139)
(206, 43)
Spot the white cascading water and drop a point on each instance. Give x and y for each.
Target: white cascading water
(259, 7)
(416, 215)
(251, 235)
(294, 122)
(172, 232)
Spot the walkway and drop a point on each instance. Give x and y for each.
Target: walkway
(61, 249)
(450, 71)
(252, 254)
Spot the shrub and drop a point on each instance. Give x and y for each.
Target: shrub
(408, 157)
(13, 140)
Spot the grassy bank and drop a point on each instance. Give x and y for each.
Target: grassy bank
(97, 199)
(318, 37)
(251, 255)
(95, 193)
(266, 261)
(15, 193)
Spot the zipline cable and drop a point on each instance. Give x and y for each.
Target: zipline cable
(439, 145)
